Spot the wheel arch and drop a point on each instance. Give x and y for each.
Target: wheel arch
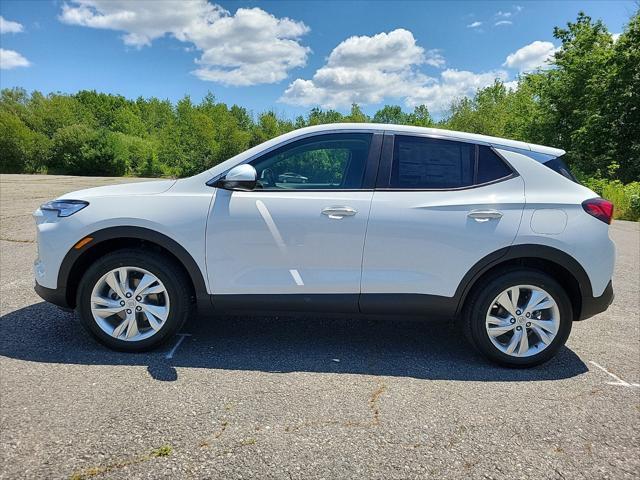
(562, 266)
(107, 240)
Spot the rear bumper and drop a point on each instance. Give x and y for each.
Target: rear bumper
(593, 305)
(57, 296)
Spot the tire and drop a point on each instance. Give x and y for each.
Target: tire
(169, 296)
(483, 301)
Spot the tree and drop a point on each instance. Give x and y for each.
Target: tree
(420, 117)
(390, 114)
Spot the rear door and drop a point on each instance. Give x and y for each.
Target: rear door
(439, 207)
(301, 231)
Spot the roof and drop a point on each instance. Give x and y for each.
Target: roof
(436, 132)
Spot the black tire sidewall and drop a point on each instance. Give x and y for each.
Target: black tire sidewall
(165, 271)
(481, 302)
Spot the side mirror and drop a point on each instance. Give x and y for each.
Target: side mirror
(240, 177)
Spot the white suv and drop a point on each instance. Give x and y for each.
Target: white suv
(350, 218)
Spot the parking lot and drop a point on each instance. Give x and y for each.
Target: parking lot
(298, 398)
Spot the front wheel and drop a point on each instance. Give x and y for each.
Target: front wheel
(133, 300)
(519, 318)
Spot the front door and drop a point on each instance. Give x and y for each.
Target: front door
(301, 231)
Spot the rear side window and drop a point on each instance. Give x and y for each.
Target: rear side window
(431, 163)
(427, 163)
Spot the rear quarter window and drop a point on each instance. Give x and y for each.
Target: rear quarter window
(559, 166)
(490, 166)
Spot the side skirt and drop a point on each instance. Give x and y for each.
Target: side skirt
(383, 304)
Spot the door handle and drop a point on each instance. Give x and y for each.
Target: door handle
(338, 213)
(484, 215)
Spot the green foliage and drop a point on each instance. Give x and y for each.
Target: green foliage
(625, 198)
(587, 103)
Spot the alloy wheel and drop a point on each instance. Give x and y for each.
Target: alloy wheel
(523, 320)
(130, 303)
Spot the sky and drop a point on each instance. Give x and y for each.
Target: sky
(286, 56)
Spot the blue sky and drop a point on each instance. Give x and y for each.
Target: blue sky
(283, 55)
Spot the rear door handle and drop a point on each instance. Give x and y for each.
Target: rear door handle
(338, 213)
(484, 215)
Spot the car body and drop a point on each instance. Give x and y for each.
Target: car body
(389, 219)
(291, 177)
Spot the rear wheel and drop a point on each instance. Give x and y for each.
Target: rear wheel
(518, 318)
(133, 300)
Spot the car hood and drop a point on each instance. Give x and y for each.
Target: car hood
(138, 188)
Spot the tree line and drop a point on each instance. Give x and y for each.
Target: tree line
(587, 103)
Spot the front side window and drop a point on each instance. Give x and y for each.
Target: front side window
(323, 162)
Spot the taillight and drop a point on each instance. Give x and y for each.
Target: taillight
(600, 208)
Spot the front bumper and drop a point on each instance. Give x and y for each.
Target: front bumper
(57, 296)
(593, 305)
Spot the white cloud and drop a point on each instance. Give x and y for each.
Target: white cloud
(7, 26)
(363, 70)
(615, 36)
(367, 70)
(11, 59)
(503, 14)
(247, 48)
(434, 58)
(512, 85)
(531, 57)
(475, 24)
(452, 85)
(503, 22)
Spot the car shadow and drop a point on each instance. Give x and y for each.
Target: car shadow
(388, 347)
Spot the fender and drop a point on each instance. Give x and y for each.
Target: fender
(139, 233)
(515, 252)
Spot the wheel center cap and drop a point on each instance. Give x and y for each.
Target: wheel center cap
(131, 303)
(520, 319)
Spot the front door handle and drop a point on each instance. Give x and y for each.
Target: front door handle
(338, 213)
(484, 215)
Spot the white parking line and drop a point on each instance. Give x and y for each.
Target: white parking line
(171, 352)
(618, 381)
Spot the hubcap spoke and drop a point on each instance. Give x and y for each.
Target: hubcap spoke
(124, 298)
(152, 321)
(105, 302)
(154, 289)
(132, 327)
(146, 281)
(515, 339)
(542, 335)
(123, 273)
(538, 301)
(120, 328)
(506, 300)
(523, 345)
(160, 312)
(531, 325)
(114, 284)
(498, 326)
(547, 325)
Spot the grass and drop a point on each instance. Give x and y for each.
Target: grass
(163, 451)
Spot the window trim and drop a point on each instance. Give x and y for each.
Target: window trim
(386, 164)
(370, 165)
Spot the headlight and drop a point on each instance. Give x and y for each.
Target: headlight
(64, 208)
